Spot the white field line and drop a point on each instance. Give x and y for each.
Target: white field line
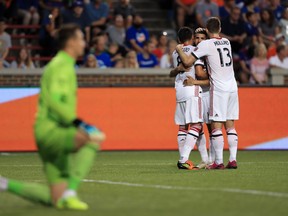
(168, 187)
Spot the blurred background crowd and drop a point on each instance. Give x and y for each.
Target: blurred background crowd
(142, 34)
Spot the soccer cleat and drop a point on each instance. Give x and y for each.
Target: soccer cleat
(3, 183)
(199, 166)
(187, 165)
(231, 165)
(216, 166)
(71, 203)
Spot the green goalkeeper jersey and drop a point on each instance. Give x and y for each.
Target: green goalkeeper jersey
(57, 99)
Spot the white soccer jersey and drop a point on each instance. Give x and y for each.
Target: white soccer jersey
(184, 93)
(219, 63)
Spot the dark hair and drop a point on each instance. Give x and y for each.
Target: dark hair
(146, 43)
(201, 31)
(213, 25)
(280, 48)
(65, 33)
(249, 14)
(271, 16)
(185, 34)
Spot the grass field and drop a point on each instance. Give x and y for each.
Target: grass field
(148, 183)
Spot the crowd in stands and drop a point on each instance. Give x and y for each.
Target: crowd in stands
(116, 35)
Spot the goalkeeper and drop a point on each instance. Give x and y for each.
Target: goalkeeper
(67, 145)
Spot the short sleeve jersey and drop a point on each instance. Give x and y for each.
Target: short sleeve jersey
(218, 56)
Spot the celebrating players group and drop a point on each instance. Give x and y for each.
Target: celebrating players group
(206, 91)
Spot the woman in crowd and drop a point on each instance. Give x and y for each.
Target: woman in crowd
(131, 60)
(23, 60)
(269, 27)
(91, 61)
(166, 60)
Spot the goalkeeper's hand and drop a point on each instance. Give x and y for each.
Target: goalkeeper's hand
(93, 132)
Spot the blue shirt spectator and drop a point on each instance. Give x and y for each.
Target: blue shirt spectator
(99, 46)
(103, 60)
(224, 11)
(137, 35)
(147, 59)
(98, 12)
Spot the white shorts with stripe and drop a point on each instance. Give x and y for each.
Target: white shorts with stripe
(223, 106)
(189, 111)
(206, 106)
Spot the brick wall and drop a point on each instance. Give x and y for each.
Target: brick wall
(115, 77)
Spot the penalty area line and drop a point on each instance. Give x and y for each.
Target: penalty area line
(169, 187)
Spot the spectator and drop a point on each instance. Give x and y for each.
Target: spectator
(79, 16)
(91, 61)
(233, 28)
(117, 31)
(23, 60)
(147, 59)
(184, 10)
(268, 26)
(137, 35)
(50, 25)
(115, 55)
(243, 72)
(5, 43)
(284, 24)
(225, 10)
(98, 12)
(279, 40)
(259, 65)
(161, 46)
(127, 11)
(131, 60)
(250, 6)
(277, 9)
(102, 56)
(204, 10)
(28, 11)
(280, 60)
(252, 28)
(166, 60)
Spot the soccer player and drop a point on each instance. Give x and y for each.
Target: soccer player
(224, 105)
(66, 144)
(188, 113)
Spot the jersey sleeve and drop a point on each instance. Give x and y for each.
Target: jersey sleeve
(61, 95)
(201, 50)
(199, 62)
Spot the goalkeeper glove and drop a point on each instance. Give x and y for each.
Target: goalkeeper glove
(93, 132)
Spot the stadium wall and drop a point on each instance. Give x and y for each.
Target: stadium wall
(139, 118)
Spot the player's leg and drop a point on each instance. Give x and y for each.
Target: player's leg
(181, 137)
(201, 145)
(211, 148)
(232, 138)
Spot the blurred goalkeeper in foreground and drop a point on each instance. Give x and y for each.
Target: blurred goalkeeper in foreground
(66, 144)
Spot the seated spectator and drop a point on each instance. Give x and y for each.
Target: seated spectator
(252, 28)
(79, 16)
(277, 9)
(279, 40)
(23, 60)
(50, 25)
(116, 31)
(184, 10)
(250, 6)
(103, 58)
(91, 61)
(204, 10)
(284, 24)
(161, 47)
(233, 28)
(280, 60)
(98, 12)
(259, 66)
(28, 11)
(269, 27)
(115, 55)
(147, 59)
(166, 60)
(131, 60)
(225, 10)
(127, 11)
(137, 35)
(242, 73)
(5, 43)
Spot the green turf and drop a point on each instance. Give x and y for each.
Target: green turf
(192, 193)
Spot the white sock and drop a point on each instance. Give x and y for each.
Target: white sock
(190, 142)
(69, 193)
(181, 140)
(211, 151)
(218, 145)
(232, 138)
(3, 184)
(201, 144)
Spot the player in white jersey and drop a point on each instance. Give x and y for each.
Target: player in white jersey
(224, 105)
(188, 113)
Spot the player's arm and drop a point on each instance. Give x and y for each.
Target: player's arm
(190, 82)
(187, 60)
(177, 70)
